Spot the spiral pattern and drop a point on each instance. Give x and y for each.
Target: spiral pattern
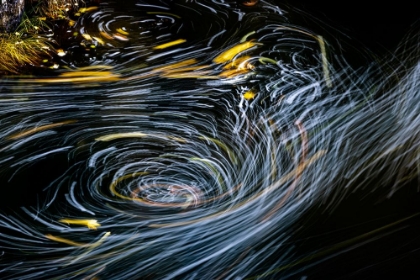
(171, 147)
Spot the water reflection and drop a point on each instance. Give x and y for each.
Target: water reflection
(189, 139)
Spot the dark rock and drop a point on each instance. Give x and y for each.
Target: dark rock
(10, 14)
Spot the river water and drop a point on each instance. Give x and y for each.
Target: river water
(208, 140)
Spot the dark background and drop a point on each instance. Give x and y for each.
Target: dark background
(378, 25)
(364, 237)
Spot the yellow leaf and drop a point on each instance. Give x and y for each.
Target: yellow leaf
(91, 224)
(170, 44)
(249, 95)
(232, 52)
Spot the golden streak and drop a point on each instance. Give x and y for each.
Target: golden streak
(232, 73)
(178, 139)
(75, 77)
(114, 136)
(101, 240)
(99, 40)
(88, 9)
(114, 184)
(321, 43)
(170, 44)
(92, 246)
(190, 75)
(106, 35)
(85, 73)
(224, 147)
(87, 37)
(176, 65)
(122, 31)
(324, 61)
(232, 52)
(185, 69)
(65, 241)
(244, 38)
(237, 63)
(95, 67)
(38, 129)
(91, 224)
(265, 60)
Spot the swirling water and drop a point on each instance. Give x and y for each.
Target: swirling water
(193, 140)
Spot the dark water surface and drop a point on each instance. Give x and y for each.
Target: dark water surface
(212, 140)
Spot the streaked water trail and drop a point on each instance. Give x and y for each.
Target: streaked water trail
(165, 146)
